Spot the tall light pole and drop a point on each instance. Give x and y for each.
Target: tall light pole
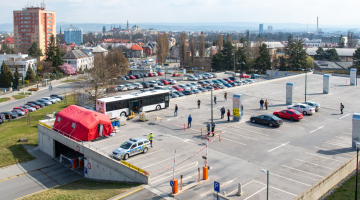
(267, 185)
(242, 63)
(305, 83)
(211, 89)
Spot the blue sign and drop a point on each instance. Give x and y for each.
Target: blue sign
(167, 70)
(211, 69)
(276, 73)
(85, 170)
(85, 85)
(216, 186)
(285, 74)
(172, 183)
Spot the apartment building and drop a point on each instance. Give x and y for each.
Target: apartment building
(73, 35)
(33, 24)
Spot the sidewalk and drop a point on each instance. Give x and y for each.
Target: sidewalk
(42, 160)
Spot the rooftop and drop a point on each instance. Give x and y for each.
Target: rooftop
(9, 40)
(75, 54)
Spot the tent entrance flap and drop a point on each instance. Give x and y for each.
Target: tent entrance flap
(100, 130)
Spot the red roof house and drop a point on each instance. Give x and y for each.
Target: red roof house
(9, 41)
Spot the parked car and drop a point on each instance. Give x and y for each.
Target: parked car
(37, 103)
(127, 77)
(232, 78)
(228, 80)
(129, 86)
(214, 75)
(174, 95)
(19, 112)
(122, 78)
(11, 115)
(192, 87)
(145, 75)
(145, 84)
(267, 119)
(178, 88)
(195, 91)
(165, 82)
(186, 88)
(289, 114)
(29, 108)
(202, 90)
(199, 77)
(57, 96)
(205, 76)
(137, 86)
(209, 75)
(179, 93)
(37, 107)
(151, 84)
(192, 78)
(122, 88)
(303, 108)
(203, 83)
(238, 83)
(244, 76)
(160, 73)
(176, 74)
(254, 76)
(46, 102)
(250, 81)
(313, 104)
(132, 77)
(188, 92)
(53, 101)
(150, 74)
(137, 76)
(22, 109)
(155, 74)
(171, 81)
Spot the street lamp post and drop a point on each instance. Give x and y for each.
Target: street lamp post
(267, 185)
(242, 63)
(211, 89)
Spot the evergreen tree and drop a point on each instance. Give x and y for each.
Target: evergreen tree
(296, 54)
(57, 60)
(35, 51)
(53, 53)
(6, 76)
(282, 64)
(320, 54)
(16, 81)
(342, 42)
(263, 61)
(332, 55)
(30, 76)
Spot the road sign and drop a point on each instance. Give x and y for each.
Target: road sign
(216, 186)
(276, 73)
(85, 170)
(172, 183)
(85, 85)
(285, 74)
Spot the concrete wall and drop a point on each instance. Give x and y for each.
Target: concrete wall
(272, 73)
(101, 166)
(325, 184)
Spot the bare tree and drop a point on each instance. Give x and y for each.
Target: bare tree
(166, 46)
(202, 46)
(159, 48)
(182, 48)
(116, 63)
(192, 51)
(352, 41)
(220, 42)
(229, 38)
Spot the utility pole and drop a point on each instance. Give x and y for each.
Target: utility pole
(305, 83)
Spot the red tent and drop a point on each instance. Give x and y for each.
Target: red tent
(82, 124)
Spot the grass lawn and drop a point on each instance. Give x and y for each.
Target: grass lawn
(11, 151)
(346, 191)
(75, 80)
(19, 96)
(4, 99)
(85, 189)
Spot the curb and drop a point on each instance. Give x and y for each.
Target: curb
(125, 194)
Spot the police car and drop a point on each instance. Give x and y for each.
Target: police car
(131, 147)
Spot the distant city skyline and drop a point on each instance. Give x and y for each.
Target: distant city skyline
(191, 11)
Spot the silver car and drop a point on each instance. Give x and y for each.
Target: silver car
(131, 147)
(313, 104)
(129, 86)
(193, 87)
(186, 88)
(19, 112)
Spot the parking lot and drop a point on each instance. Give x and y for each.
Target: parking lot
(297, 154)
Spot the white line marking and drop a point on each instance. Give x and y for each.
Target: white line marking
(233, 141)
(226, 183)
(277, 189)
(335, 144)
(145, 155)
(339, 142)
(190, 176)
(313, 164)
(252, 131)
(184, 140)
(278, 147)
(334, 150)
(241, 187)
(301, 171)
(344, 116)
(324, 157)
(290, 179)
(316, 129)
(343, 138)
(255, 193)
(239, 135)
(176, 172)
(160, 162)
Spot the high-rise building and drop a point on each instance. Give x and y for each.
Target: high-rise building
(261, 29)
(33, 24)
(270, 29)
(73, 35)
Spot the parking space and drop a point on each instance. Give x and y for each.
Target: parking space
(297, 154)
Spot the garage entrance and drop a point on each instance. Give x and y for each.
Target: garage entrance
(69, 158)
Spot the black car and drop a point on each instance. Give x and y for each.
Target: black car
(57, 96)
(127, 77)
(267, 119)
(137, 76)
(145, 74)
(151, 84)
(232, 78)
(145, 84)
(180, 94)
(37, 103)
(188, 92)
(13, 115)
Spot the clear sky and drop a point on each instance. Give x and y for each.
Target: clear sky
(330, 12)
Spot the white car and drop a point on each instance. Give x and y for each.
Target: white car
(171, 81)
(210, 75)
(129, 86)
(195, 84)
(303, 108)
(250, 81)
(19, 112)
(313, 104)
(137, 86)
(199, 77)
(193, 87)
(122, 88)
(50, 99)
(57, 99)
(192, 78)
(186, 88)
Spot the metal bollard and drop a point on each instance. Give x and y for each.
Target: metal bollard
(239, 193)
(181, 182)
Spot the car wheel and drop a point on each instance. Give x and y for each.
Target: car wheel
(253, 121)
(271, 124)
(158, 107)
(145, 150)
(126, 156)
(291, 118)
(277, 115)
(304, 112)
(123, 114)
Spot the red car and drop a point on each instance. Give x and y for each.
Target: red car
(165, 82)
(176, 74)
(289, 114)
(150, 74)
(33, 105)
(245, 76)
(228, 80)
(216, 87)
(132, 77)
(178, 88)
(160, 73)
(22, 109)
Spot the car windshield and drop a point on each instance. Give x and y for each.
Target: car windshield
(126, 145)
(297, 112)
(275, 118)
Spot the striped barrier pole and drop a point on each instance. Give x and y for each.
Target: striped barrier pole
(184, 127)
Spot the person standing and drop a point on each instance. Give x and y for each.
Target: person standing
(176, 110)
(151, 138)
(225, 95)
(213, 129)
(208, 128)
(342, 108)
(198, 103)
(261, 104)
(189, 121)
(228, 115)
(222, 110)
(242, 110)
(266, 104)
(215, 99)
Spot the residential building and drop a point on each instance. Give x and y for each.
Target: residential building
(22, 61)
(73, 35)
(326, 66)
(147, 50)
(313, 43)
(33, 24)
(270, 29)
(9, 41)
(261, 29)
(95, 50)
(333, 39)
(79, 59)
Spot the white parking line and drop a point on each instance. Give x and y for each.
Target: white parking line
(316, 129)
(336, 144)
(222, 185)
(255, 193)
(146, 154)
(301, 171)
(340, 142)
(233, 141)
(278, 147)
(313, 164)
(160, 161)
(344, 116)
(252, 131)
(190, 176)
(241, 187)
(277, 189)
(272, 174)
(324, 157)
(184, 140)
(176, 172)
(343, 138)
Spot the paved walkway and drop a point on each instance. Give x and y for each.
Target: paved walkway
(42, 160)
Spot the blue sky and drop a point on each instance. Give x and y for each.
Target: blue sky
(330, 12)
